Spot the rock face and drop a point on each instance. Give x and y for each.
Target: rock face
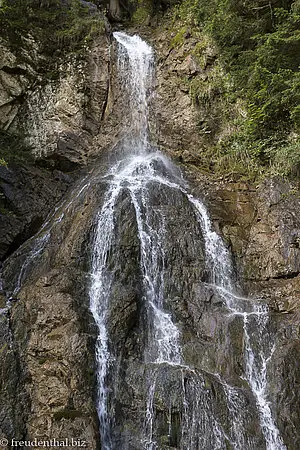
(262, 226)
(53, 333)
(181, 124)
(54, 108)
(48, 335)
(44, 392)
(175, 123)
(58, 120)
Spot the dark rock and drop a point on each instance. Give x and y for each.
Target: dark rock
(15, 404)
(92, 8)
(47, 340)
(53, 329)
(28, 195)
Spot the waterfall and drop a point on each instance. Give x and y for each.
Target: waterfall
(140, 173)
(255, 321)
(135, 69)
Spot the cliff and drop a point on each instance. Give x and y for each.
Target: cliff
(61, 122)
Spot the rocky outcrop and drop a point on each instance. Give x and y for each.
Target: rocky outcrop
(187, 69)
(63, 115)
(16, 77)
(46, 105)
(261, 225)
(53, 116)
(48, 335)
(53, 336)
(175, 122)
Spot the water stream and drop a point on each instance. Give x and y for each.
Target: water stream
(33, 248)
(139, 173)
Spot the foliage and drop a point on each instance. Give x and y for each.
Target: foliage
(259, 46)
(140, 16)
(13, 148)
(57, 27)
(55, 24)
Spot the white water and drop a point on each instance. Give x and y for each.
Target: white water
(135, 69)
(258, 345)
(132, 174)
(39, 242)
(163, 333)
(99, 297)
(139, 170)
(259, 349)
(200, 427)
(238, 417)
(135, 61)
(163, 336)
(150, 443)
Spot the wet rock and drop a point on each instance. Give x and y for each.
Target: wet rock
(53, 119)
(54, 333)
(126, 298)
(15, 404)
(28, 195)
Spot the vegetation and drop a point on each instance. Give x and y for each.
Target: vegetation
(252, 92)
(55, 24)
(13, 149)
(57, 27)
(256, 73)
(143, 11)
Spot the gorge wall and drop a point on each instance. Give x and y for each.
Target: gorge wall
(48, 334)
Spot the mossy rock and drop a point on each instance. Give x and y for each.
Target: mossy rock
(67, 414)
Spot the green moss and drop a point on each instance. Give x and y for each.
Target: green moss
(206, 90)
(140, 16)
(13, 148)
(179, 38)
(67, 414)
(207, 384)
(42, 360)
(4, 211)
(3, 348)
(142, 13)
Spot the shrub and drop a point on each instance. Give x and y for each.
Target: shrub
(258, 44)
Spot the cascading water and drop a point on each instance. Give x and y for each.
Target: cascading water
(38, 242)
(135, 57)
(142, 174)
(255, 321)
(132, 174)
